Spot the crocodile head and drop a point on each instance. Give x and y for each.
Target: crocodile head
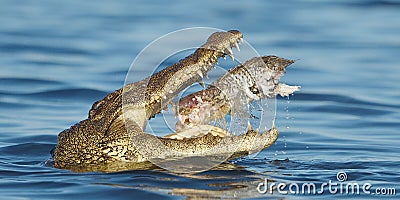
(144, 99)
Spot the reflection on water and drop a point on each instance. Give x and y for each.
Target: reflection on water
(59, 57)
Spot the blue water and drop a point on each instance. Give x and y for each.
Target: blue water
(57, 58)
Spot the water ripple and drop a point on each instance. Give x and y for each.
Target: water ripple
(77, 93)
(350, 110)
(315, 97)
(25, 81)
(17, 48)
(375, 4)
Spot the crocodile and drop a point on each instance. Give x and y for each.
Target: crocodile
(114, 132)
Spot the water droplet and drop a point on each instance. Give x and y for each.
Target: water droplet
(284, 142)
(307, 147)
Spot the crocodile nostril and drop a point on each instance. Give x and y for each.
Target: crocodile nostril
(234, 31)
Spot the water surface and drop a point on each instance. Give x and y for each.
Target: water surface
(57, 58)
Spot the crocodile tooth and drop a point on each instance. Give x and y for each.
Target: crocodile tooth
(199, 99)
(205, 68)
(200, 73)
(201, 83)
(230, 53)
(273, 123)
(240, 39)
(170, 91)
(249, 126)
(237, 46)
